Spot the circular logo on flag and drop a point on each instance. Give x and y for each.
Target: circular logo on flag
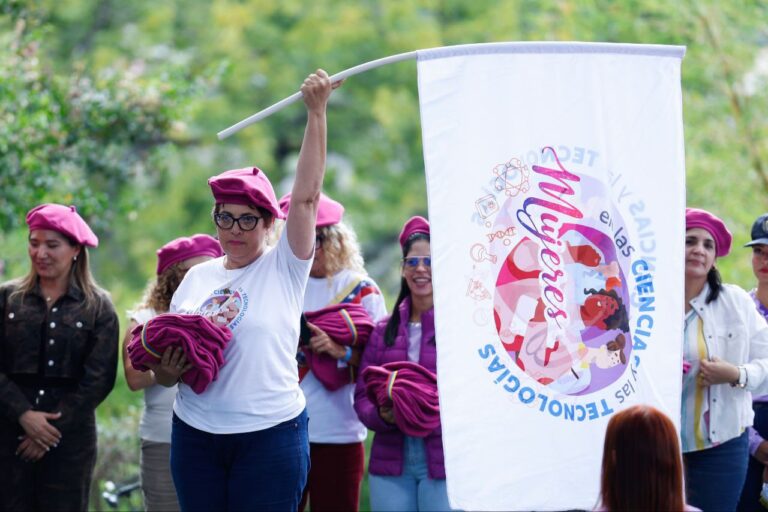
(561, 299)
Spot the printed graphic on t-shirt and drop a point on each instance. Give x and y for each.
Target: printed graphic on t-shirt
(225, 307)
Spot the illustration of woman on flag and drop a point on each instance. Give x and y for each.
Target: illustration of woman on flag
(562, 350)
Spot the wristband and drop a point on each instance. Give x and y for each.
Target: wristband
(347, 354)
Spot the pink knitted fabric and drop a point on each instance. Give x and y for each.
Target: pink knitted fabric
(202, 340)
(411, 391)
(347, 324)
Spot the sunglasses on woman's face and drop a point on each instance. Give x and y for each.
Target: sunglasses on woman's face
(414, 261)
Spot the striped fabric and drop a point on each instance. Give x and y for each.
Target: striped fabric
(695, 401)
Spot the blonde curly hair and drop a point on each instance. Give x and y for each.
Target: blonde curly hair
(160, 290)
(339, 242)
(341, 248)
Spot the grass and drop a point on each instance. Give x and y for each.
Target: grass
(118, 454)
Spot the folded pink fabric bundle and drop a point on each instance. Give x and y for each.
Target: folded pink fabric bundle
(411, 391)
(347, 324)
(202, 340)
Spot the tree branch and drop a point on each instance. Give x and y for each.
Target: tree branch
(736, 101)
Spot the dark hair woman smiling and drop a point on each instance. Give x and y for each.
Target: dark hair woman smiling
(58, 346)
(405, 472)
(725, 344)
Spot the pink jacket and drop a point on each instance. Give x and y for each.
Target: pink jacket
(387, 449)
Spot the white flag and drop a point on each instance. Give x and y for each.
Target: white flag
(556, 183)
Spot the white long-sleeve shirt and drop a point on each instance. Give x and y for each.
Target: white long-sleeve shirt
(735, 332)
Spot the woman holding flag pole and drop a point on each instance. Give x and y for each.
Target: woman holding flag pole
(241, 444)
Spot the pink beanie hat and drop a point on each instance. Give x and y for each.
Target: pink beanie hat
(329, 212)
(187, 247)
(696, 218)
(245, 186)
(63, 219)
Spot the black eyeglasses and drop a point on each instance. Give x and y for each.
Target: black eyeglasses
(413, 261)
(245, 222)
(319, 239)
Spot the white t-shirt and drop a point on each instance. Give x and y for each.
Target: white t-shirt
(414, 341)
(258, 386)
(332, 417)
(155, 424)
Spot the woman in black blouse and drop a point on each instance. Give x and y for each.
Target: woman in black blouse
(58, 361)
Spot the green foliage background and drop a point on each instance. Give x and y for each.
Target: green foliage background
(114, 106)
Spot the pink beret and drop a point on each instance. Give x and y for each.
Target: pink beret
(329, 212)
(696, 218)
(413, 225)
(187, 247)
(63, 219)
(248, 186)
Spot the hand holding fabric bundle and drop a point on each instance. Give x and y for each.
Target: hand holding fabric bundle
(203, 343)
(411, 390)
(346, 324)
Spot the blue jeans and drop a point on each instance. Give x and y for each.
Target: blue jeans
(411, 491)
(262, 470)
(714, 476)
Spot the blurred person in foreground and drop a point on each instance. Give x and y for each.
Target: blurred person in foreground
(642, 466)
(59, 343)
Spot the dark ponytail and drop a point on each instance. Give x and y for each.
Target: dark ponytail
(715, 283)
(393, 324)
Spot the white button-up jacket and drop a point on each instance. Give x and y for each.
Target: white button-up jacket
(735, 332)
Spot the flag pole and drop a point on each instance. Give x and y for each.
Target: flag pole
(223, 134)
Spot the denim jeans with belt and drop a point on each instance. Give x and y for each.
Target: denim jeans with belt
(413, 490)
(262, 470)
